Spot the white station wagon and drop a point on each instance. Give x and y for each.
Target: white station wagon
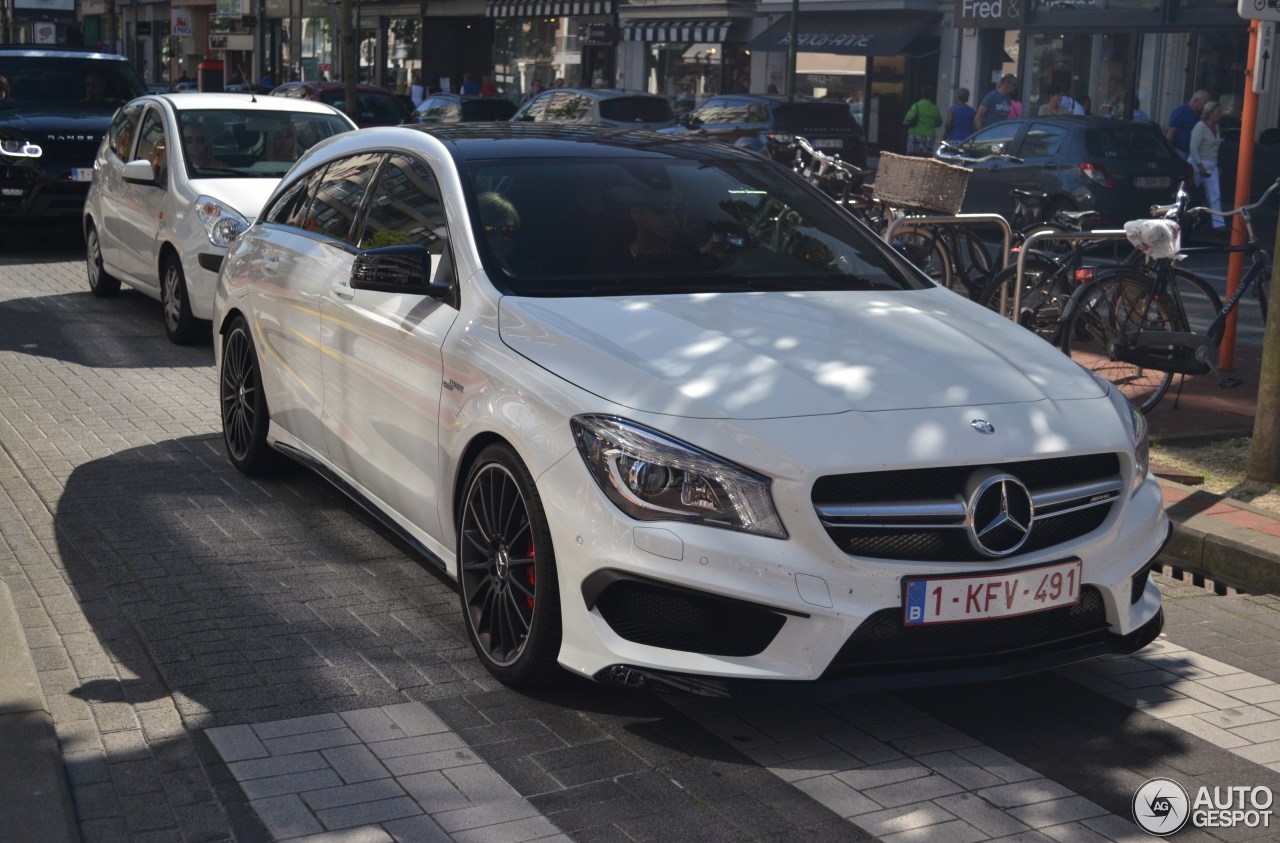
(672, 419)
(177, 177)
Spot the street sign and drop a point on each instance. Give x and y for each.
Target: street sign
(1258, 9)
(1265, 58)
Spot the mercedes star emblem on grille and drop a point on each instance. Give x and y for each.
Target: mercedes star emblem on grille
(982, 426)
(998, 514)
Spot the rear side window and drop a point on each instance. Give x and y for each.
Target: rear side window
(1042, 140)
(1127, 142)
(375, 108)
(636, 110)
(812, 115)
(569, 108)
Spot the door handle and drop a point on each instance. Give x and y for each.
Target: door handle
(342, 291)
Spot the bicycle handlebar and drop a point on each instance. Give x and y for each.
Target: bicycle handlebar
(1173, 209)
(946, 150)
(826, 160)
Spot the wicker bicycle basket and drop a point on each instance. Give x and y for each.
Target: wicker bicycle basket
(926, 183)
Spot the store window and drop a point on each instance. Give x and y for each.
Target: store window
(689, 73)
(524, 50)
(1093, 69)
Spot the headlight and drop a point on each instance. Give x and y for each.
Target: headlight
(19, 149)
(221, 222)
(655, 478)
(1136, 424)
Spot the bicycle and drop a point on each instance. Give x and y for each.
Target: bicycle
(1139, 326)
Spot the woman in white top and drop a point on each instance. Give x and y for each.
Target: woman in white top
(1203, 156)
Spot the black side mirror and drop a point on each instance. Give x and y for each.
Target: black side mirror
(401, 269)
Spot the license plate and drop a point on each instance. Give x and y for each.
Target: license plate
(1151, 181)
(827, 143)
(950, 599)
(82, 174)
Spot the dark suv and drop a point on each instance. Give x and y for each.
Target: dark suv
(767, 124)
(60, 103)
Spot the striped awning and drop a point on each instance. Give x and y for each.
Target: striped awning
(548, 8)
(677, 31)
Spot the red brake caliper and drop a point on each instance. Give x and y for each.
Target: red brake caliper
(529, 575)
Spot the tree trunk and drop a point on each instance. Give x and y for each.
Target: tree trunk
(1264, 453)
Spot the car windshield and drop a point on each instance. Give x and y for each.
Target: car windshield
(564, 227)
(636, 110)
(1128, 142)
(73, 81)
(250, 143)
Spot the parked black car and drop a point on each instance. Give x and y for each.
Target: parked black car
(1115, 167)
(455, 108)
(59, 106)
(767, 124)
(598, 107)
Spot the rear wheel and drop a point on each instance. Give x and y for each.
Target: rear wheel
(507, 571)
(101, 284)
(1045, 292)
(1108, 314)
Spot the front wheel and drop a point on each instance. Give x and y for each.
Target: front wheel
(1107, 315)
(182, 327)
(245, 417)
(507, 571)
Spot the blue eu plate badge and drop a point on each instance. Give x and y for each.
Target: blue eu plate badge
(916, 591)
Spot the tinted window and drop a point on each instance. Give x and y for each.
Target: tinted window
(1137, 141)
(62, 80)
(124, 128)
(291, 207)
(537, 108)
(1043, 139)
(405, 208)
(802, 115)
(636, 110)
(333, 208)
(981, 144)
(487, 109)
(671, 227)
(724, 111)
(568, 107)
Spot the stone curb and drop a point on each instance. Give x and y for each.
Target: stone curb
(35, 798)
(1223, 552)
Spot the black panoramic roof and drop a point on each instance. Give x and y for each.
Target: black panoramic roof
(476, 141)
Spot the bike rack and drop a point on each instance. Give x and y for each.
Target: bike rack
(1006, 232)
(1039, 236)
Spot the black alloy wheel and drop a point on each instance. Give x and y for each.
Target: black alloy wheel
(244, 406)
(507, 573)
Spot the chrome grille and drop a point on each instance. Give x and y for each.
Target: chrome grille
(920, 514)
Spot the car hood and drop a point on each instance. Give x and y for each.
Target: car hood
(775, 355)
(70, 133)
(245, 195)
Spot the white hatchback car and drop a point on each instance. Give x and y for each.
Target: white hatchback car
(176, 178)
(673, 419)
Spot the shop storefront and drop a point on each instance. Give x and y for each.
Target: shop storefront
(877, 60)
(688, 60)
(549, 40)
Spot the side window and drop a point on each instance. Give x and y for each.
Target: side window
(1042, 139)
(405, 208)
(151, 141)
(290, 208)
(537, 109)
(337, 199)
(124, 128)
(981, 143)
(757, 113)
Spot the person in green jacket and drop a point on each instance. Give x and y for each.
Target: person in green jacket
(922, 122)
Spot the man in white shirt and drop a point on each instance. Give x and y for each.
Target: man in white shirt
(1070, 106)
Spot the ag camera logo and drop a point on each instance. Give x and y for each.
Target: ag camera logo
(1161, 807)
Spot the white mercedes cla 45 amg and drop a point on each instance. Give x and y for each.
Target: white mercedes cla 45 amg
(672, 419)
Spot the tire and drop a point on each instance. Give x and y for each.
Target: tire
(1104, 312)
(1045, 293)
(928, 253)
(179, 324)
(971, 260)
(507, 572)
(101, 284)
(243, 404)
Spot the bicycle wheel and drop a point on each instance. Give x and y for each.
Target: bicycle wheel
(1046, 288)
(1262, 287)
(926, 250)
(1107, 315)
(971, 260)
